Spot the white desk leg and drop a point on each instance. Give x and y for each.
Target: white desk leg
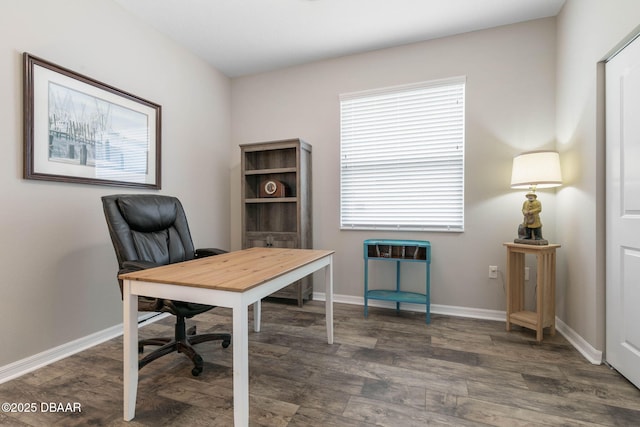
(257, 314)
(328, 307)
(241, 365)
(130, 354)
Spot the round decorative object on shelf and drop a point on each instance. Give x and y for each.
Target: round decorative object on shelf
(272, 188)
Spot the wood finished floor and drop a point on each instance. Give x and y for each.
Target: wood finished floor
(388, 370)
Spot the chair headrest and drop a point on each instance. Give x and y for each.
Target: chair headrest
(148, 214)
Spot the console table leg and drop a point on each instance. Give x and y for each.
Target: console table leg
(366, 288)
(397, 285)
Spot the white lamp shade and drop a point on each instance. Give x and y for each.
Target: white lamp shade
(539, 169)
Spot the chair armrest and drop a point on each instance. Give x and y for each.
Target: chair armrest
(144, 303)
(205, 252)
(131, 266)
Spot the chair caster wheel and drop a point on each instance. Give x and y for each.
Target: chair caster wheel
(197, 369)
(226, 343)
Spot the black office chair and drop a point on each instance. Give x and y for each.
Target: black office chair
(148, 231)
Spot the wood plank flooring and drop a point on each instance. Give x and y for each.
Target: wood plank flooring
(387, 370)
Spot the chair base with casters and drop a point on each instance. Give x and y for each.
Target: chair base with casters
(182, 342)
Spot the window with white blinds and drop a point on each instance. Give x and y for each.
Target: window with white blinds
(402, 157)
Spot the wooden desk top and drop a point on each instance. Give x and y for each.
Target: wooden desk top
(236, 271)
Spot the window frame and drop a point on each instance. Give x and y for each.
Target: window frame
(442, 219)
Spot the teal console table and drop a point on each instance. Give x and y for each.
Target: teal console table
(397, 251)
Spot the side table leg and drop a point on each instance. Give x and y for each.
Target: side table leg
(542, 289)
(552, 291)
(508, 290)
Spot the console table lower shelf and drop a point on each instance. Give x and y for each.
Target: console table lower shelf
(398, 296)
(397, 251)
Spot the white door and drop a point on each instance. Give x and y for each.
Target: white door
(623, 212)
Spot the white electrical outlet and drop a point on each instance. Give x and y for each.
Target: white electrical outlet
(526, 273)
(493, 272)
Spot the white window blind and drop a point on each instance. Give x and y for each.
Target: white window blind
(402, 157)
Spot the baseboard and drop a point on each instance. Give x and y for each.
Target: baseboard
(449, 310)
(588, 352)
(31, 363)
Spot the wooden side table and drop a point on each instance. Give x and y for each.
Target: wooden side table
(545, 314)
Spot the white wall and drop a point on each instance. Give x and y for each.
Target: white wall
(588, 31)
(58, 267)
(510, 101)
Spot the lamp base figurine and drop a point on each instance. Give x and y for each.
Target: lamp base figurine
(530, 231)
(525, 237)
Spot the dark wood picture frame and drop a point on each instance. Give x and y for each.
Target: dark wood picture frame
(79, 130)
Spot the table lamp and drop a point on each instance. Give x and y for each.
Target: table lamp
(533, 170)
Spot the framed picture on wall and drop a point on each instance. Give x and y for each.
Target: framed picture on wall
(77, 129)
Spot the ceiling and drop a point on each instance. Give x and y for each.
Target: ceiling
(241, 37)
